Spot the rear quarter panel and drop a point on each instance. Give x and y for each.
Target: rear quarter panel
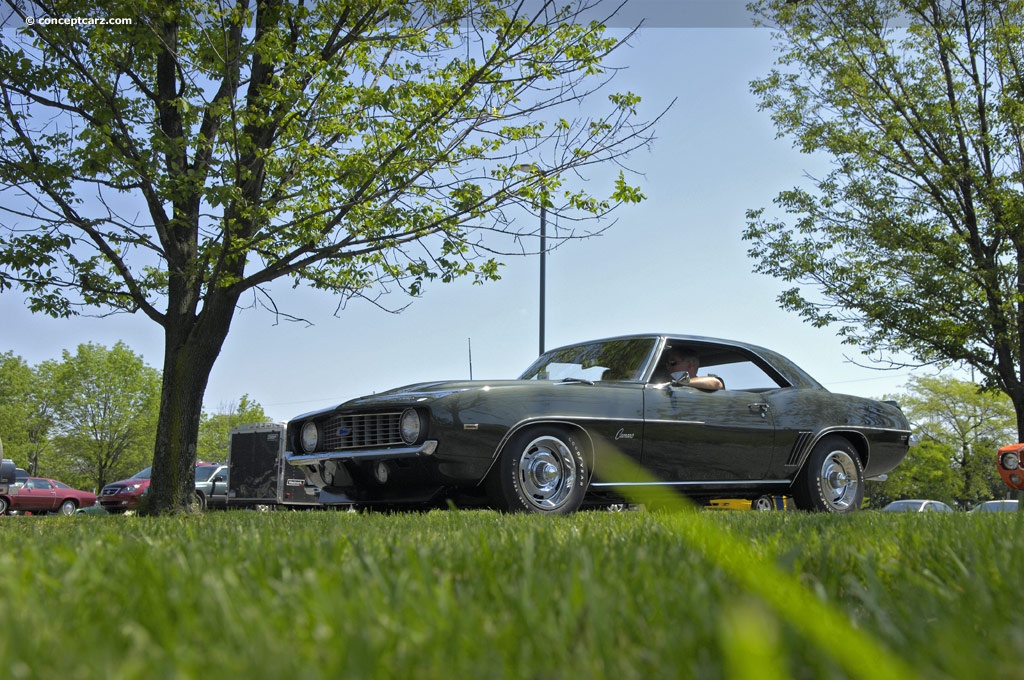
(879, 430)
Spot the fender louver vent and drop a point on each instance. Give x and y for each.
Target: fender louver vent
(802, 440)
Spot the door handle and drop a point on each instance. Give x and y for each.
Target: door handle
(760, 407)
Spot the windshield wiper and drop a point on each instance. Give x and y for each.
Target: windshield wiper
(578, 380)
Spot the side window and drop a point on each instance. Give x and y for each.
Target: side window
(40, 484)
(743, 376)
(741, 370)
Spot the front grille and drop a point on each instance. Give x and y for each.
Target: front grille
(362, 431)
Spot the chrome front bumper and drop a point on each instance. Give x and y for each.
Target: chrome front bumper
(427, 448)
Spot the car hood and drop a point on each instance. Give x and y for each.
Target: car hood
(131, 481)
(419, 393)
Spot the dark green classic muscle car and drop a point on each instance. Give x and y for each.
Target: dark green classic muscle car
(537, 444)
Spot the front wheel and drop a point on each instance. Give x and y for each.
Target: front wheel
(540, 471)
(5, 505)
(833, 478)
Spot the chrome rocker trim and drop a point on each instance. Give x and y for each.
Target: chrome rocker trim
(734, 483)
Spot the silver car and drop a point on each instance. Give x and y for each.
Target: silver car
(917, 505)
(996, 506)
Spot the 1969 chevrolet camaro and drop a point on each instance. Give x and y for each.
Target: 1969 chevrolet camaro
(535, 444)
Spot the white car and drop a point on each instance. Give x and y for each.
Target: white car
(996, 506)
(917, 505)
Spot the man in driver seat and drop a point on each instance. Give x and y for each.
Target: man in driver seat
(682, 366)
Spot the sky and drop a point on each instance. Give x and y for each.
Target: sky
(675, 263)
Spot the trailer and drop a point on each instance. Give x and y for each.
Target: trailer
(259, 475)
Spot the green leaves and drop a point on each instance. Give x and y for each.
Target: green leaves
(308, 136)
(913, 242)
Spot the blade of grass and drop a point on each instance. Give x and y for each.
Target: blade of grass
(818, 622)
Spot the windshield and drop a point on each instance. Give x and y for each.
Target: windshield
(143, 474)
(623, 359)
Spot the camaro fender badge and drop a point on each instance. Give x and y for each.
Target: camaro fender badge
(622, 434)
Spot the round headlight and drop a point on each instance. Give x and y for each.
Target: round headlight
(1011, 461)
(309, 437)
(410, 425)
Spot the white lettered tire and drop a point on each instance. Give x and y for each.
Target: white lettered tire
(540, 470)
(832, 479)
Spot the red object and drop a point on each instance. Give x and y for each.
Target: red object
(127, 494)
(39, 495)
(1013, 477)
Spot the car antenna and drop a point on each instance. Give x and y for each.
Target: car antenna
(470, 341)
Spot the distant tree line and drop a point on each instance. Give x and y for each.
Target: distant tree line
(90, 418)
(958, 426)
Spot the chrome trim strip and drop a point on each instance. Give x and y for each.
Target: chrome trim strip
(675, 422)
(601, 419)
(733, 482)
(427, 448)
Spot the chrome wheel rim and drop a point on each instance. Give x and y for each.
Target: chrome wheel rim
(547, 473)
(839, 480)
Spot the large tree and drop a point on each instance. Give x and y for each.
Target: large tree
(177, 165)
(27, 402)
(16, 381)
(105, 410)
(913, 242)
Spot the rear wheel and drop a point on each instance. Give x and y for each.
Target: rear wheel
(833, 478)
(763, 503)
(541, 470)
(68, 508)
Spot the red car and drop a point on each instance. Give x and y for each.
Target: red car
(40, 496)
(1008, 462)
(126, 494)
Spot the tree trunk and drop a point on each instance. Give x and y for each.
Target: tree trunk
(190, 350)
(1017, 397)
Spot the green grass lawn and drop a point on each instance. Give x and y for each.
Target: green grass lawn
(476, 594)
